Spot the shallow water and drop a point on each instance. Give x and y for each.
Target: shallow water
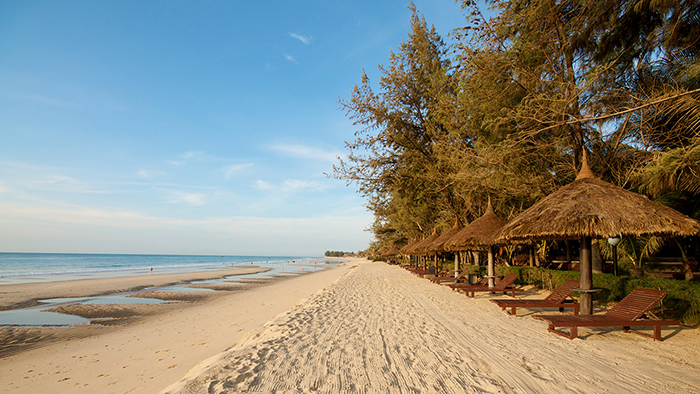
(37, 317)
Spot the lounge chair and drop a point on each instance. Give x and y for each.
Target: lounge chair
(483, 282)
(450, 277)
(553, 300)
(433, 271)
(624, 314)
(501, 286)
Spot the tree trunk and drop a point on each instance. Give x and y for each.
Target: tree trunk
(638, 269)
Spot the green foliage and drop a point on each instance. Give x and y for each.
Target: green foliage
(682, 300)
(335, 253)
(508, 111)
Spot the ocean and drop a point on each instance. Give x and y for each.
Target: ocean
(48, 267)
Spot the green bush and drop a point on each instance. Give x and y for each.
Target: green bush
(682, 300)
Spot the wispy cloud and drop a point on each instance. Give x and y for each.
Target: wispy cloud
(306, 152)
(187, 157)
(149, 174)
(230, 171)
(179, 197)
(262, 185)
(65, 184)
(304, 39)
(290, 186)
(291, 59)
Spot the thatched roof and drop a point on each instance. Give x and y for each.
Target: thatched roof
(406, 249)
(478, 234)
(594, 208)
(420, 248)
(438, 245)
(392, 251)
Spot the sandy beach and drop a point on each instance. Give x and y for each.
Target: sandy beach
(156, 349)
(364, 327)
(380, 329)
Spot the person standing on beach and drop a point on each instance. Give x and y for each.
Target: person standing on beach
(151, 270)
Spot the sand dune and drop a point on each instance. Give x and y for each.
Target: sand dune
(380, 329)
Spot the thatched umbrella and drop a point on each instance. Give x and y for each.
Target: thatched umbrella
(407, 248)
(591, 208)
(392, 251)
(480, 234)
(438, 245)
(420, 249)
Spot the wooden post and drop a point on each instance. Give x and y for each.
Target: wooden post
(586, 281)
(491, 271)
(456, 264)
(531, 252)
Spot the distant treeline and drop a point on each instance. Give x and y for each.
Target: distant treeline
(336, 253)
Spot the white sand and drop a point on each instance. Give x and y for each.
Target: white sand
(380, 329)
(146, 356)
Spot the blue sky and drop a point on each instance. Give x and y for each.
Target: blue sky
(187, 127)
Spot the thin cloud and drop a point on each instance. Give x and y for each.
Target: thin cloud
(178, 197)
(230, 171)
(290, 186)
(306, 152)
(262, 185)
(65, 184)
(148, 174)
(304, 39)
(187, 157)
(291, 59)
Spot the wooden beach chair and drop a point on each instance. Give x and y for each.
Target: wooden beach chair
(556, 299)
(501, 286)
(434, 272)
(450, 277)
(483, 282)
(624, 314)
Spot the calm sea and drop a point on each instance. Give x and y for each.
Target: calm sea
(44, 267)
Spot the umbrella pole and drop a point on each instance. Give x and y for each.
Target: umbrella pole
(586, 271)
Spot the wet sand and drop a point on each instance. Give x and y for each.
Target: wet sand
(25, 294)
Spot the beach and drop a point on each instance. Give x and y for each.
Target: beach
(153, 350)
(363, 327)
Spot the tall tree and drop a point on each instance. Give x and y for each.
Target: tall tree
(393, 158)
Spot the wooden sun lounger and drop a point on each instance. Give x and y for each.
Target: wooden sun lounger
(434, 273)
(456, 286)
(501, 286)
(462, 276)
(554, 300)
(624, 314)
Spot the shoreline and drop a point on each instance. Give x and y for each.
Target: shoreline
(13, 296)
(150, 346)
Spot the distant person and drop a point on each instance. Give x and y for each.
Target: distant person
(151, 270)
